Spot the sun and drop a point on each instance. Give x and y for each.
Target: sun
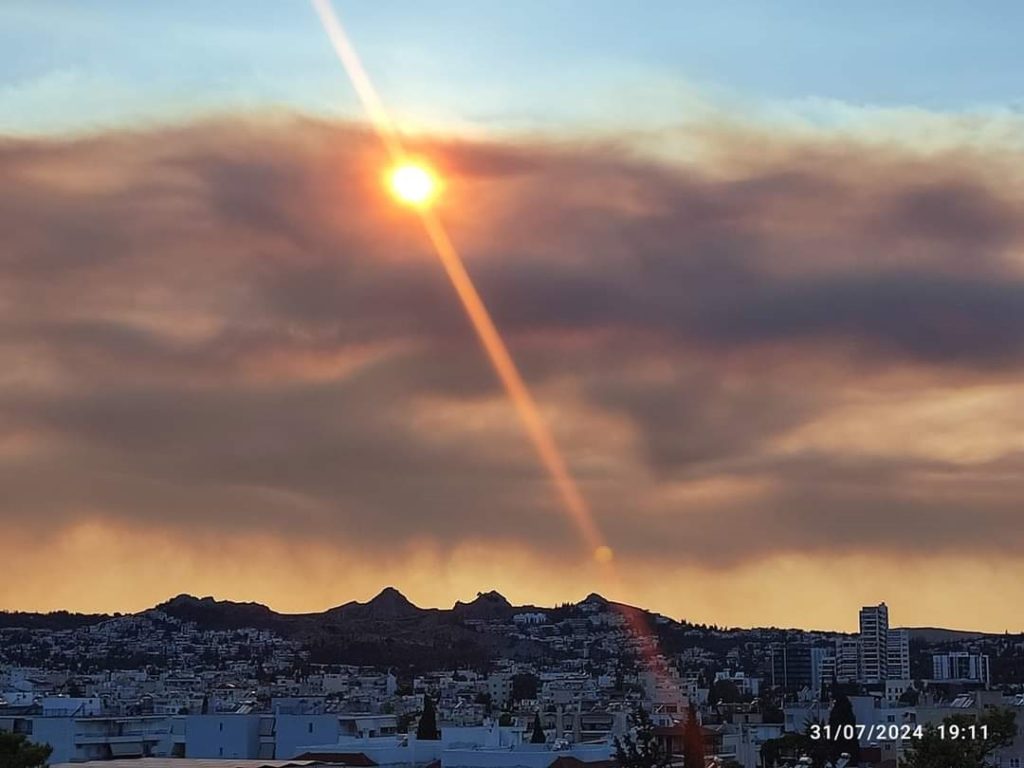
(413, 184)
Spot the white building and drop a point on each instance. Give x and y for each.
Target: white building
(77, 739)
(499, 689)
(874, 643)
(895, 688)
(67, 706)
(487, 746)
(742, 742)
(841, 663)
(179, 762)
(899, 654)
(961, 665)
(280, 736)
(819, 654)
(225, 736)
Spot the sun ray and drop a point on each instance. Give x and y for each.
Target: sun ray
(412, 184)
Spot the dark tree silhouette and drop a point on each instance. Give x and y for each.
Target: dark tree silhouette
(693, 741)
(724, 692)
(790, 747)
(426, 729)
(538, 736)
(16, 751)
(524, 686)
(840, 716)
(910, 697)
(640, 749)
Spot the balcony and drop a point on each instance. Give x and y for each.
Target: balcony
(121, 736)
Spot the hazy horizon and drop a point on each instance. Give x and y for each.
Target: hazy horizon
(852, 627)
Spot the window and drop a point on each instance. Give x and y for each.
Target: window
(1014, 762)
(221, 724)
(311, 727)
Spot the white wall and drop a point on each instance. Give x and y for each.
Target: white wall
(58, 732)
(293, 732)
(526, 756)
(227, 736)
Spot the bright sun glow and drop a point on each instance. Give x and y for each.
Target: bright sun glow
(413, 184)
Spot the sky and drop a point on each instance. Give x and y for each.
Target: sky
(760, 263)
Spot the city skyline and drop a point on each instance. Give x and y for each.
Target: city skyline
(769, 302)
(386, 681)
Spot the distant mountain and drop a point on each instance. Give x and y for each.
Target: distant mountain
(933, 635)
(220, 614)
(487, 605)
(388, 605)
(638, 617)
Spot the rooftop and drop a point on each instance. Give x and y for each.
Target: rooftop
(185, 762)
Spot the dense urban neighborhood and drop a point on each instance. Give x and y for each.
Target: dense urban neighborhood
(490, 685)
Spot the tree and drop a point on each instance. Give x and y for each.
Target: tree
(770, 706)
(16, 751)
(484, 699)
(693, 741)
(426, 729)
(843, 729)
(934, 751)
(724, 692)
(538, 736)
(910, 697)
(640, 749)
(790, 747)
(524, 686)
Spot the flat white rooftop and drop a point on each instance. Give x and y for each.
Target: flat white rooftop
(187, 762)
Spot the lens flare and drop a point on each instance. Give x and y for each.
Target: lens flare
(413, 184)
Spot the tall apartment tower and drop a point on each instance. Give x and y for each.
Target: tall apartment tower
(899, 654)
(874, 643)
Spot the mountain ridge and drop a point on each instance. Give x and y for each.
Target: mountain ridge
(390, 604)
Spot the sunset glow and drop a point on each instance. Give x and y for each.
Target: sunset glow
(413, 184)
(671, 303)
(511, 385)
